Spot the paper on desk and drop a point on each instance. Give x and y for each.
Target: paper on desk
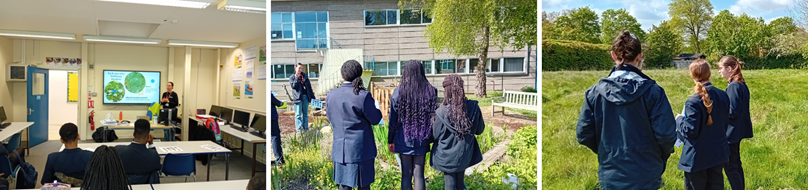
(213, 148)
(171, 149)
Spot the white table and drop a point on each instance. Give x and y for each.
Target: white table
(235, 184)
(246, 136)
(131, 126)
(188, 147)
(14, 128)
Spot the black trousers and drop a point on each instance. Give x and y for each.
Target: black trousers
(454, 181)
(710, 178)
(733, 167)
(412, 172)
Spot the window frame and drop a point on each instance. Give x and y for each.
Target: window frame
(398, 18)
(272, 71)
(291, 22)
(295, 37)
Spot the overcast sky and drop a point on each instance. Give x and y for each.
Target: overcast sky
(650, 12)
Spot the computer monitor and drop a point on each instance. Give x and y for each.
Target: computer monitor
(3, 117)
(259, 122)
(215, 110)
(241, 118)
(227, 114)
(164, 116)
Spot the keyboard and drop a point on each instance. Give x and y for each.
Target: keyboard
(4, 125)
(238, 128)
(259, 135)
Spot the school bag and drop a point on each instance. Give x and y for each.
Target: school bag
(211, 124)
(27, 174)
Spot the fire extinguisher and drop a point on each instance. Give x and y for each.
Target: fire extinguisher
(92, 123)
(91, 104)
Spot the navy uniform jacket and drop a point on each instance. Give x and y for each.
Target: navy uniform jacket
(629, 123)
(740, 122)
(395, 131)
(139, 160)
(275, 129)
(450, 155)
(705, 146)
(70, 162)
(352, 117)
(299, 89)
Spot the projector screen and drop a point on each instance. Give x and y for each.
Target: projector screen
(131, 87)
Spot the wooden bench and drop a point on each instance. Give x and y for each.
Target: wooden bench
(518, 100)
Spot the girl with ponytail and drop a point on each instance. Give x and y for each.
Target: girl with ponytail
(701, 128)
(740, 121)
(352, 112)
(627, 121)
(457, 122)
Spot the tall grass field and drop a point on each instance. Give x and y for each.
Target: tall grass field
(775, 158)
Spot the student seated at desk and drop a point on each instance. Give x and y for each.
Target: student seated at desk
(140, 162)
(105, 171)
(68, 165)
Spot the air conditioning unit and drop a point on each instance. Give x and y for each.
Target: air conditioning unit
(17, 72)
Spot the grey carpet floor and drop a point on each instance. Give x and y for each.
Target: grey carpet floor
(239, 164)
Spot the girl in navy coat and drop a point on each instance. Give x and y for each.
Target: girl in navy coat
(352, 110)
(701, 127)
(740, 123)
(412, 108)
(457, 121)
(627, 121)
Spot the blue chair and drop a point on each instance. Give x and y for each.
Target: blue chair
(179, 165)
(5, 167)
(13, 142)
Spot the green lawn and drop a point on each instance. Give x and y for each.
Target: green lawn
(776, 158)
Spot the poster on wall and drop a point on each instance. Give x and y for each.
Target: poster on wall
(251, 52)
(237, 75)
(262, 54)
(237, 62)
(72, 86)
(237, 90)
(62, 63)
(248, 89)
(261, 71)
(248, 65)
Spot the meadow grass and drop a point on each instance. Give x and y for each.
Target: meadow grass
(776, 158)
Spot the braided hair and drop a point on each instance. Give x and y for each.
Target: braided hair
(700, 72)
(626, 48)
(417, 101)
(352, 71)
(455, 96)
(105, 171)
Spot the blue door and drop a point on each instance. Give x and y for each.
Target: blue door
(37, 105)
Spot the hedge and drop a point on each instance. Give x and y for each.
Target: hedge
(792, 61)
(559, 55)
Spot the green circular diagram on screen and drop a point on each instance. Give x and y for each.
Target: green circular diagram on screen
(114, 91)
(135, 82)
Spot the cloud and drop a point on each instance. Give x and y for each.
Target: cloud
(556, 5)
(772, 19)
(759, 7)
(648, 13)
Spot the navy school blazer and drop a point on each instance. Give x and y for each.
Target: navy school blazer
(705, 146)
(139, 160)
(740, 121)
(352, 117)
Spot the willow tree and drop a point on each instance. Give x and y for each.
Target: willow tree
(471, 27)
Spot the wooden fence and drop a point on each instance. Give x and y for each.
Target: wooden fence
(383, 96)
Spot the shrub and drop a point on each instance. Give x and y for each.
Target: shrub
(529, 89)
(558, 55)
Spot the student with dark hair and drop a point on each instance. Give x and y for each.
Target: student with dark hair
(302, 94)
(740, 121)
(106, 171)
(627, 121)
(68, 165)
(352, 112)
(257, 182)
(170, 98)
(412, 108)
(457, 121)
(701, 127)
(140, 159)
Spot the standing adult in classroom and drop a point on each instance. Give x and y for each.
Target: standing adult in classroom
(169, 98)
(740, 121)
(412, 108)
(626, 119)
(701, 127)
(352, 112)
(302, 95)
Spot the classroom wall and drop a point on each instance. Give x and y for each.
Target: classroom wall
(257, 104)
(59, 109)
(6, 57)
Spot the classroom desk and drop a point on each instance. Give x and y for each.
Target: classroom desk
(14, 128)
(188, 147)
(131, 126)
(246, 136)
(235, 184)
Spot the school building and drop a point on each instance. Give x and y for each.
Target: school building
(322, 35)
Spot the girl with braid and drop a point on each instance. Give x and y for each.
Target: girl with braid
(457, 122)
(105, 171)
(412, 108)
(352, 111)
(701, 127)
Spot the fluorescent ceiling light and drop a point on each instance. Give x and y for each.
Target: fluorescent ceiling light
(201, 44)
(33, 34)
(122, 39)
(249, 6)
(194, 4)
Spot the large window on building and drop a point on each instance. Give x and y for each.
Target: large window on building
(308, 29)
(396, 16)
(281, 26)
(383, 68)
(514, 64)
(312, 69)
(281, 71)
(494, 65)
